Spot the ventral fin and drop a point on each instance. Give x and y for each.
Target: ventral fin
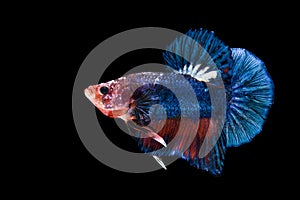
(160, 162)
(144, 132)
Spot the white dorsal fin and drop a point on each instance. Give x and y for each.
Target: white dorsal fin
(190, 69)
(209, 75)
(195, 70)
(201, 75)
(184, 69)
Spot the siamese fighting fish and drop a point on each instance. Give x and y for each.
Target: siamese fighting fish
(158, 109)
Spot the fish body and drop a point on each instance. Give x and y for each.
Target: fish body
(167, 130)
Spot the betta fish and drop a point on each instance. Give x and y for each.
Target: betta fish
(248, 87)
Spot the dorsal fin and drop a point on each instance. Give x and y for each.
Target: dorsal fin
(200, 75)
(201, 58)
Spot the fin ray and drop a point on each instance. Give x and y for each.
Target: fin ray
(250, 98)
(213, 162)
(203, 50)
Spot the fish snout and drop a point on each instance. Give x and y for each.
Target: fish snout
(90, 93)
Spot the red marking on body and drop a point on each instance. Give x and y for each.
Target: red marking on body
(115, 113)
(110, 114)
(225, 70)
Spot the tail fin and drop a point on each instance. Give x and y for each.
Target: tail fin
(250, 98)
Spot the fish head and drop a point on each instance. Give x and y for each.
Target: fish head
(111, 98)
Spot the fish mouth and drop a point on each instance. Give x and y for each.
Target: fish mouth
(90, 93)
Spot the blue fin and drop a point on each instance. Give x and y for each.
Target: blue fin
(250, 98)
(213, 162)
(213, 51)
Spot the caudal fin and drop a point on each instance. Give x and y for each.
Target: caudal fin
(250, 99)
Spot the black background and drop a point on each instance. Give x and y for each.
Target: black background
(72, 34)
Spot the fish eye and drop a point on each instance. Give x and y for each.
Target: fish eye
(103, 90)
